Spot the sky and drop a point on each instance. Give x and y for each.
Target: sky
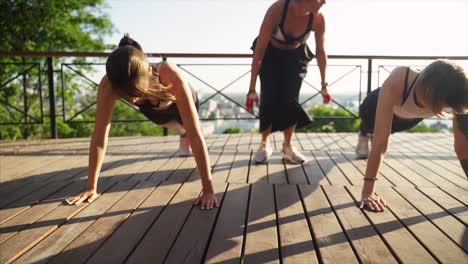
(354, 27)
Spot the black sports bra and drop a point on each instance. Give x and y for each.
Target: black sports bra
(280, 35)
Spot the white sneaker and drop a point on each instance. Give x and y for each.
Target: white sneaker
(263, 152)
(184, 147)
(293, 155)
(362, 148)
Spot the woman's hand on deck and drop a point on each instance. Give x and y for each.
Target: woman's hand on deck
(372, 202)
(87, 196)
(207, 200)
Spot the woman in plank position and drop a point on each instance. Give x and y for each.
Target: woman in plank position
(281, 57)
(163, 96)
(405, 99)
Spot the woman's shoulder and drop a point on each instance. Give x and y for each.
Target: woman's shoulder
(396, 80)
(105, 89)
(275, 10)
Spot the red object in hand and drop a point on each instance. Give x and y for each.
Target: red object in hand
(251, 99)
(326, 97)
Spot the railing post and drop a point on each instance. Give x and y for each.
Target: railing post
(369, 76)
(50, 74)
(165, 131)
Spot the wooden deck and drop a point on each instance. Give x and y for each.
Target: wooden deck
(274, 213)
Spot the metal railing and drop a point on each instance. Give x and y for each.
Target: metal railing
(51, 80)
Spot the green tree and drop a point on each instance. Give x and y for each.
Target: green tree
(53, 25)
(331, 120)
(56, 25)
(233, 130)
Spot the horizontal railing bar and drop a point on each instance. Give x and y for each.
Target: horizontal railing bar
(213, 55)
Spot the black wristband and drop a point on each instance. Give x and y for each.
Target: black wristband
(369, 179)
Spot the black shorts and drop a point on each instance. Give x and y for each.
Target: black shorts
(368, 109)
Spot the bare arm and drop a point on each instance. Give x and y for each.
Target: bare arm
(460, 134)
(388, 97)
(263, 39)
(320, 48)
(97, 149)
(171, 77)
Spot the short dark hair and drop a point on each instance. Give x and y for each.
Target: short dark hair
(445, 84)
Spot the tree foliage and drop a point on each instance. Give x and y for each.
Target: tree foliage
(339, 120)
(55, 25)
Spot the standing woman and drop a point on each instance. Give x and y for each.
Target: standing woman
(162, 95)
(281, 57)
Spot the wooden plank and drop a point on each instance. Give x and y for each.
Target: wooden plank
(295, 173)
(240, 167)
(165, 229)
(152, 165)
(94, 236)
(223, 166)
(255, 142)
(447, 202)
(330, 142)
(35, 233)
(412, 176)
(367, 243)
(304, 141)
(333, 173)
(129, 234)
(23, 220)
(192, 241)
(28, 165)
(258, 172)
(276, 170)
(400, 240)
(314, 173)
(44, 251)
(232, 141)
(226, 243)
(296, 241)
(425, 172)
(453, 228)
(333, 245)
(56, 171)
(316, 141)
(457, 193)
(261, 242)
(441, 247)
(443, 173)
(26, 239)
(27, 201)
(387, 176)
(351, 173)
(338, 142)
(244, 142)
(276, 141)
(220, 142)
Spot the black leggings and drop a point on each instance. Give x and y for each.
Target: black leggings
(368, 109)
